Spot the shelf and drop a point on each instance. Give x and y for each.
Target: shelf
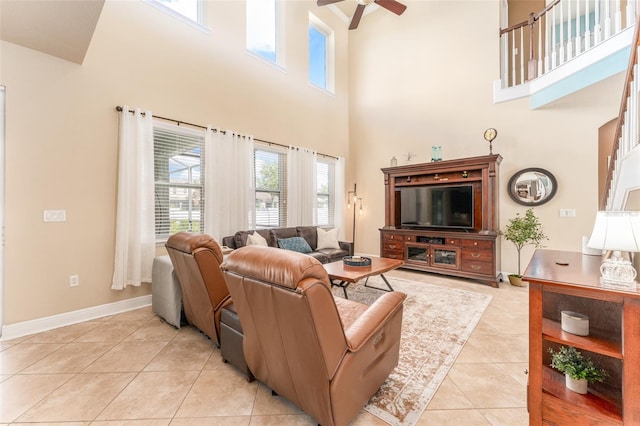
(598, 341)
(610, 407)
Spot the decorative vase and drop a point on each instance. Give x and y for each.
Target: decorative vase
(576, 385)
(516, 280)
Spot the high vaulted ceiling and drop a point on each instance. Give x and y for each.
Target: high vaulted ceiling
(61, 28)
(64, 28)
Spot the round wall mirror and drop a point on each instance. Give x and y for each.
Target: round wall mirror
(532, 186)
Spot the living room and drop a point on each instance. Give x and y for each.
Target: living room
(402, 84)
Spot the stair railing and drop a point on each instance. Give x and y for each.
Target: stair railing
(627, 132)
(561, 31)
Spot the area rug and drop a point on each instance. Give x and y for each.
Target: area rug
(436, 323)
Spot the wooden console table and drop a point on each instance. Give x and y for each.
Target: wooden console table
(560, 280)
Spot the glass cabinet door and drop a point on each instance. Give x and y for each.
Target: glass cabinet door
(445, 257)
(417, 253)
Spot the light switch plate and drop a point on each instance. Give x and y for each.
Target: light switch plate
(54, 216)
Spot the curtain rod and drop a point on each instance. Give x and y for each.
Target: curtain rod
(179, 122)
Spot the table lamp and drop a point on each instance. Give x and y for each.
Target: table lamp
(616, 232)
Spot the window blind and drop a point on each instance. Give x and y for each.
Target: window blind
(179, 179)
(271, 183)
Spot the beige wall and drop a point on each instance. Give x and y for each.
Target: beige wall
(61, 131)
(421, 79)
(425, 79)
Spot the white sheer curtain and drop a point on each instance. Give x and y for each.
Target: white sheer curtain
(338, 212)
(229, 194)
(302, 199)
(135, 222)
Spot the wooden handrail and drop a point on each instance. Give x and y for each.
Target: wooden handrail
(546, 9)
(534, 16)
(633, 60)
(514, 27)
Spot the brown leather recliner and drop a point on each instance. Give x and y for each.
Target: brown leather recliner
(196, 260)
(326, 355)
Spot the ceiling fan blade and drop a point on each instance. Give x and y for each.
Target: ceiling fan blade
(326, 2)
(357, 15)
(392, 5)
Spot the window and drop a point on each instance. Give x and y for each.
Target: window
(271, 188)
(264, 29)
(321, 47)
(179, 186)
(270, 174)
(325, 178)
(191, 9)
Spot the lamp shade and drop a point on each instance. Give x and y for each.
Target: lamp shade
(616, 230)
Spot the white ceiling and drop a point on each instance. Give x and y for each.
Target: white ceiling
(62, 28)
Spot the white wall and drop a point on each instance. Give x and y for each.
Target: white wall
(424, 79)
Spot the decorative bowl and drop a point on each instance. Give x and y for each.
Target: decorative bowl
(575, 323)
(356, 261)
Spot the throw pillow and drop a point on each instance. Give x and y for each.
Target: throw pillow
(256, 239)
(298, 244)
(328, 239)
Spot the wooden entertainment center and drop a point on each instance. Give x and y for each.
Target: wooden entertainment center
(469, 250)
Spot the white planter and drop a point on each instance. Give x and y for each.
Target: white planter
(575, 323)
(578, 386)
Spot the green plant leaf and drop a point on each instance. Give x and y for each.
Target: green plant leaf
(524, 230)
(569, 361)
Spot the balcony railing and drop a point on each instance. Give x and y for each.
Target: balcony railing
(558, 33)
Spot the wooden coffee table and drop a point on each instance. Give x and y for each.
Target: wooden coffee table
(342, 275)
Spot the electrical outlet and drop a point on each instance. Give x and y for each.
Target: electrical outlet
(567, 212)
(74, 280)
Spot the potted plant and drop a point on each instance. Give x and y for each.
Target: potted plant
(579, 371)
(522, 231)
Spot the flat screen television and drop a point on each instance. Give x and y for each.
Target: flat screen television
(446, 206)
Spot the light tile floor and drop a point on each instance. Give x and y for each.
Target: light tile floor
(134, 369)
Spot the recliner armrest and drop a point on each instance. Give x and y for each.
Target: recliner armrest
(373, 319)
(346, 245)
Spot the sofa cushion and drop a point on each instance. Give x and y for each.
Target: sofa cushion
(279, 233)
(333, 254)
(308, 233)
(320, 256)
(240, 237)
(298, 244)
(256, 239)
(327, 239)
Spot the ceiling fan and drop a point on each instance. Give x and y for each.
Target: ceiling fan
(390, 5)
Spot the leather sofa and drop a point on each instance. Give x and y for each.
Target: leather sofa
(196, 259)
(326, 355)
(309, 233)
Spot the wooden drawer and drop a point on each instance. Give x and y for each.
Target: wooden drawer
(479, 255)
(393, 255)
(452, 242)
(477, 267)
(479, 244)
(392, 237)
(393, 246)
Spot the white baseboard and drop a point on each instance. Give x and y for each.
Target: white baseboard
(25, 328)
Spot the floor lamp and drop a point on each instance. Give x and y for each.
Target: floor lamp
(352, 198)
